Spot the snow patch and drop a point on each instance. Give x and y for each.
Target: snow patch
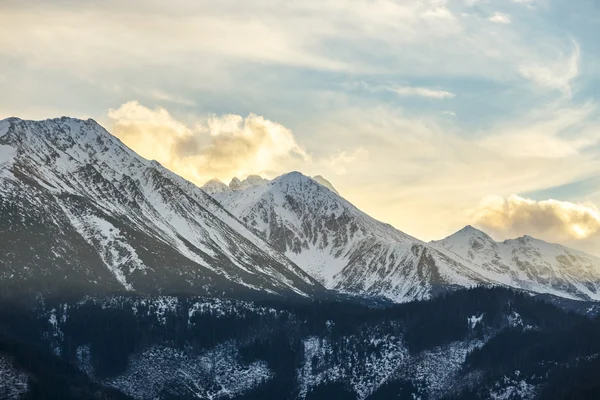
(474, 320)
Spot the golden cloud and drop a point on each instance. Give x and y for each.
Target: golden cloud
(221, 146)
(548, 219)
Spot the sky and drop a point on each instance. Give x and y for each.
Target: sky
(427, 114)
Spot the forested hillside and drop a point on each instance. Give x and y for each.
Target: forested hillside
(471, 344)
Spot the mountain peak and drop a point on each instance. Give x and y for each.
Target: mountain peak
(470, 231)
(250, 181)
(292, 175)
(293, 178)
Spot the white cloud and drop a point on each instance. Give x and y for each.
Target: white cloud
(500, 18)
(221, 146)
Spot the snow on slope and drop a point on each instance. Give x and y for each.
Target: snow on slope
(340, 245)
(97, 203)
(529, 263)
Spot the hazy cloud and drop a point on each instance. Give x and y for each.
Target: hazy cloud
(552, 220)
(557, 75)
(549, 133)
(500, 18)
(220, 146)
(343, 159)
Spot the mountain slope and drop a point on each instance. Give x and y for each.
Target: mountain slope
(340, 245)
(530, 264)
(82, 212)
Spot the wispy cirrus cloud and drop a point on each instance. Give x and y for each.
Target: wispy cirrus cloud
(421, 92)
(403, 90)
(558, 75)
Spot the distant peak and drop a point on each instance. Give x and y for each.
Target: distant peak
(469, 230)
(293, 176)
(250, 181)
(235, 183)
(319, 179)
(215, 186)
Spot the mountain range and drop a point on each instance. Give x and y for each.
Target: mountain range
(347, 250)
(84, 213)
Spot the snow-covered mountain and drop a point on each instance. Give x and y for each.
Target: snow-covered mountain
(81, 211)
(529, 263)
(349, 251)
(340, 245)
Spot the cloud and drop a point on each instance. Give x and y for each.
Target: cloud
(500, 18)
(557, 75)
(552, 220)
(220, 146)
(165, 97)
(420, 91)
(548, 133)
(402, 90)
(341, 161)
(199, 39)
